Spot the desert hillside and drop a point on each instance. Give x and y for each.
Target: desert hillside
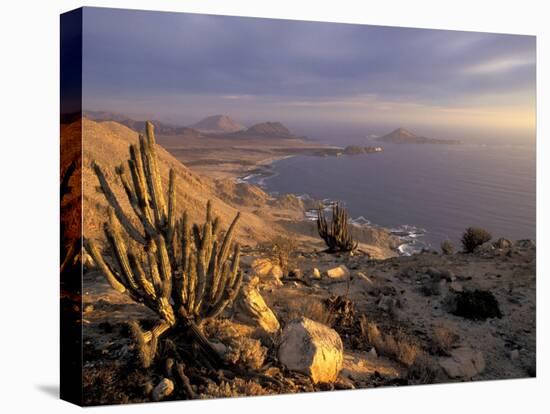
(107, 143)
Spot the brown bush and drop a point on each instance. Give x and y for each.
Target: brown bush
(474, 237)
(444, 338)
(311, 308)
(398, 346)
(447, 247)
(246, 352)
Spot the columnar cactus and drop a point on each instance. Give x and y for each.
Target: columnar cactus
(186, 274)
(336, 234)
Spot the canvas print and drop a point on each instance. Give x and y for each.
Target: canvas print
(261, 206)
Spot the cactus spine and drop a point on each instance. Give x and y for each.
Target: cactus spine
(186, 274)
(336, 234)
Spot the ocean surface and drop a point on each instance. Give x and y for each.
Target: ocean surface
(423, 193)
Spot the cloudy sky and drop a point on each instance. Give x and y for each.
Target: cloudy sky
(181, 67)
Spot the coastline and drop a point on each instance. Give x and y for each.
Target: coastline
(409, 235)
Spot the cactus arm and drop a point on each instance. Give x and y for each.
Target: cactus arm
(226, 244)
(112, 200)
(146, 285)
(171, 220)
(164, 267)
(153, 175)
(103, 267)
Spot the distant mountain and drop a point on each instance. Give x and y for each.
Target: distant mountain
(218, 124)
(403, 136)
(161, 128)
(270, 129)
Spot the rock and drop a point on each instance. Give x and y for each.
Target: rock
(315, 273)
(267, 271)
(463, 363)
(525, 244)
(434, 273)
(373, 352)
(343, 383)
(338, 272)
(251, 308)
(296, 273)
(514, 355)
(313, 349)
(219, 347)
(503, 243)
(486, 247)
(456, 287)
(387, 303)
(448, 275)
(88, 308)
(163, 389)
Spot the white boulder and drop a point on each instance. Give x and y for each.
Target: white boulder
(313, 349)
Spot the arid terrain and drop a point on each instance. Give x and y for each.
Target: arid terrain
(389, 319)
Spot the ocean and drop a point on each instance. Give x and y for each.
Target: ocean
(424, 193)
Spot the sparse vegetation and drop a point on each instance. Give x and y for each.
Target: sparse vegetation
(336, 235)
(475, 304)
(447, 247)
(474, 237)
(311, 308)
(279, 250)
(398, 345)
(444, 338)
(186, 274)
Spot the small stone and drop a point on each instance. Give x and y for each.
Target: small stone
(503, 243)
(463, 363)
(163, 389)
(315, 273)
(485, 248)
(296, 273)
(88, 308)
(387, 303)
(514, 355)
(456, 287)
(448, 275)
(373, 352)
(338, 272)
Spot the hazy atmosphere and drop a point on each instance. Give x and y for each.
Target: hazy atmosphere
(181, 67)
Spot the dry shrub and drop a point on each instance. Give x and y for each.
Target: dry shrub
(422, 371)
(310, 308)
(474, 237)
(398, 346)
(444, 338)
(246, 352)
(279, 250)
(236, 388)
(242, 350)
(447, 247)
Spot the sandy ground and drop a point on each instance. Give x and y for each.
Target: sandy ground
(229, 156)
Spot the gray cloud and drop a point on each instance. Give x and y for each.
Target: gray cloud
(149, 56)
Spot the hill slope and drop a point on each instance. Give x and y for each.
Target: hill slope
(218, 124)
(107, 143)
(404, 136)
(268, 129)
